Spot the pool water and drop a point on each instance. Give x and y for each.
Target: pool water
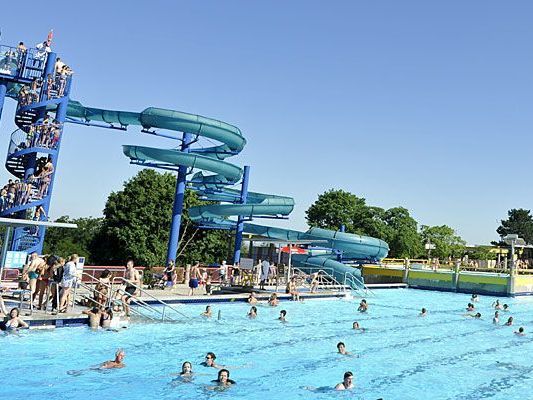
(401, 356)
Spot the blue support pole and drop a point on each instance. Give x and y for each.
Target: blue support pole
(3, 91)
(240, 221)
(178, 203)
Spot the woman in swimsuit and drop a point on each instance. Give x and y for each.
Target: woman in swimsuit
(15, 322)
(223, 379)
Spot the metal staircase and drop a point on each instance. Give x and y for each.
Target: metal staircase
(30, 145)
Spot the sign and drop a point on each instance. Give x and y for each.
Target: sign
(430, 246)
(15, 259)
(247, 263)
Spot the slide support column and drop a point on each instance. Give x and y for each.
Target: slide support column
(178, 202)
(240, 221)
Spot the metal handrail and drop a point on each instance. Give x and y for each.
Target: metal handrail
(144, 292)
(111, 295)
(321, 273)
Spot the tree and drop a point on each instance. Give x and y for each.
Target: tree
(63, 242)
(137, 224)
(447, 243)
(403, 237)
(335, 208)
(520, 222)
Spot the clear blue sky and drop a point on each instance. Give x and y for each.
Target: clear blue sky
(426, 105)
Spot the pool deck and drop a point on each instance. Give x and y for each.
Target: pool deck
(178, 295)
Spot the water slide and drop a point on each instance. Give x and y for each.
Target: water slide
(215, 177)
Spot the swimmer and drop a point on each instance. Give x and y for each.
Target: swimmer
(282, 315)
(116, 363)
(476, 316)
(363, 306)
(347, 382)
(506, 307)
(341, 348)
(207, 313)
(474, 298)
(14, 321)
(210, 361)
(497, 305)
(509, 322)
(252, 313)
(470, 307)
(496, 318)
(186, 369)
(223, 379)
(355, 326)
(520, 332)
(252, 299)
(273, 300)
(423, 313)
(95, 316)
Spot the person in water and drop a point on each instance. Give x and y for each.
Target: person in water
(509, 321)
(347, 382)
(273, 300)
(474, 298)
(186, 369)
(356, 327)
(14, 322)
(470, 307)
(506, 307)
(363, 306)
(95, 317)
(496, 318)
(476, 316)
(497, 305)
(520, 332)
(253, 312)
(207, 313)
(252, 299)
(223, 379)
(423, 313)
(210, 361)
(282, 315)
(341, 349)
(117, 362)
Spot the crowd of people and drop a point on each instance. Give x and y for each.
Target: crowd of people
(17, 192)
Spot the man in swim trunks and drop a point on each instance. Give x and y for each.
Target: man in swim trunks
(210, 361)
(347, 382)
(95, 315)
(194, 277)
(117, 362)
(133, 281)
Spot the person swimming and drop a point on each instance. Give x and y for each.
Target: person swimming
(497, 305)
(207, 313)
(470, 307)
(252, 313)
(423, 313)
(252, 299)
(474, 298)
(341, 349)
(506, 307)
(223, 379)
(520, 332)
(476, 316)
(117, 362)
(282, 315)
(186, 369)
(14, 322)
(210, 361)
(273, 300)
(347, 382)
(509, 321)
(355, 326)
(363, 306)
(496, 318)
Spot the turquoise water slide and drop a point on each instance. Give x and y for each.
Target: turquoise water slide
(221, 174)
(216, 175)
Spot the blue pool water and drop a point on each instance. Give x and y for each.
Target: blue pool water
(401, 356)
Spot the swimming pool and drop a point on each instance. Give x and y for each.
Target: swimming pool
(401, 356)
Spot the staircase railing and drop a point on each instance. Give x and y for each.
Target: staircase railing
(145, 293)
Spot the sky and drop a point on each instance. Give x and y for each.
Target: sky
(424, 105)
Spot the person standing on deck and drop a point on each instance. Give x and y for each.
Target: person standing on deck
(194, 277)
(133, 282)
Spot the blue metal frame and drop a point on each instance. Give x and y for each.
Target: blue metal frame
(178, 202)
(240, 220)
